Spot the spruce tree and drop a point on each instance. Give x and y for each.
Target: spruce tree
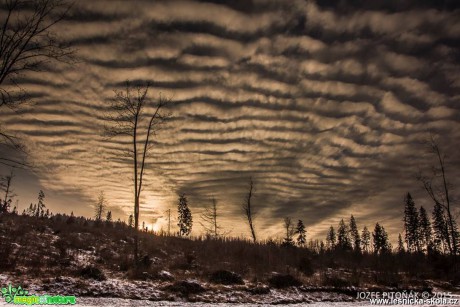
(425, 230)
(441, 240)
(366, 239)
(355, 234)
(185, 217)
(380, 239)
(343, 236)
(108, 219)
(302, 233)
(411, 225)
(401, 249)
(331, 238)
(41, 204)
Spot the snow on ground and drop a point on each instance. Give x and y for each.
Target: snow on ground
(121, 292)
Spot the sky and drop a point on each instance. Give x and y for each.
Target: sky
(327, 105)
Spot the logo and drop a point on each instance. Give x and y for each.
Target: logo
(20, 296)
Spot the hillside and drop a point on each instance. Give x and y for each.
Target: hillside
(76, 256)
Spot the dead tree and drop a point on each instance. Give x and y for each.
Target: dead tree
(209, 217)
(169, 222)
(101, 205)
(248, 210)
(290, 231)
(134, 115)
(27, 44)
(5, 186)
(26, 40)
(440, 194)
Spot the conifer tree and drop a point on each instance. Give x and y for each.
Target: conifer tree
(380, 239)
(425, 230)
(71, 218)
(366, 239)
(109, 217)
(41, 204)
(440, 229)
(343, 236)
(331, 238)
(411, 225)
(356, 239)
(401, 249)
(302, 233)
(185, 221)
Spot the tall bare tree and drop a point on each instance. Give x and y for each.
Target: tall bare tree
(137, 117)
(440, 194)
(101, 206)
(290, 231)
(6, 186)
(26, 40)
(248, 210)
(27, 44)
(209, 218)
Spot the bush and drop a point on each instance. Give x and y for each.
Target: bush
(226, 278)
(305, 266)
(92, 272)
(335, 281)
(284, 281)
(259, 289)
(186, 287)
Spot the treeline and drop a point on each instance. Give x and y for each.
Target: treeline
(420, 235)
(425, 235)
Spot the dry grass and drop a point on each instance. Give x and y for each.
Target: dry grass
(64, 246)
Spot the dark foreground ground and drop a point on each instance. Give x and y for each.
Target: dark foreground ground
(74, 256)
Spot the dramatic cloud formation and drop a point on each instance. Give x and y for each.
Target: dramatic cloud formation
(325, 105)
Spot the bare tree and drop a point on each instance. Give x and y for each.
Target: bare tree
(134, 115)
(101, 205)
(440, 193)
(169, 222)
(5, 185)
(26, 40)
(248, 211)
(290, 231)
(209, 217)
(27, 44)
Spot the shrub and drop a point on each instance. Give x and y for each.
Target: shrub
(92, 272)
(335, 281)
(259, 289)
(226, 278)
(186, 287)
(284, 281)
(305, 266)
